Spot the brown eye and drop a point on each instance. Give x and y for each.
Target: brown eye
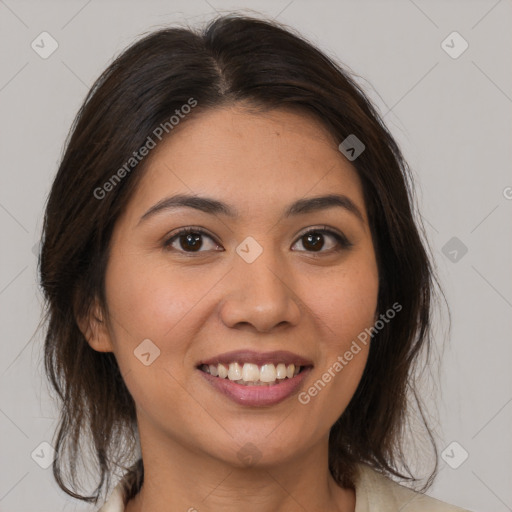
(189, 240)
(314, 240)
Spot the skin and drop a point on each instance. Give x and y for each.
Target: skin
(195, 305)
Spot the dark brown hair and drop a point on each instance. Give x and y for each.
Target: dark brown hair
(263, 65)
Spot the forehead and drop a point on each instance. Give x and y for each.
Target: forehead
(251, 160)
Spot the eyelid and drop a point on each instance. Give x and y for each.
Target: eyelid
(340, 237)
(171, 238)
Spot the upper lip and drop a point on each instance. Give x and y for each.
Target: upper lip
(258, 358)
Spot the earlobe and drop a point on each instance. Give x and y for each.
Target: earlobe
(95, 330)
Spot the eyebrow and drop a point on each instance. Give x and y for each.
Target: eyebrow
(215, 207)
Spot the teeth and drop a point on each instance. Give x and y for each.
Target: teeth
(234, 372)
(222, 370)
(252, 374)
(281, 371)
(268, 373)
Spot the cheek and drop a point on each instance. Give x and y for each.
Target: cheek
(346, 302)
(147, 299)
(149, 302)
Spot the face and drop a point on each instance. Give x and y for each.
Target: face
(270, 279)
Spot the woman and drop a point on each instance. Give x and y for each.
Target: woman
(237, 293)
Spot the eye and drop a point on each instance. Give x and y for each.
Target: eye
(189, 240)
(314, 240)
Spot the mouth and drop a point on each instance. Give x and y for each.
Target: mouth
(250, 374)
(256, 379)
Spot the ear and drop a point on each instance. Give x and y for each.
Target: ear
(95, 329)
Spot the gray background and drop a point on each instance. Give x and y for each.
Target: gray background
(451, 117)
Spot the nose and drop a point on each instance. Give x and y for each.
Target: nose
(260, 295)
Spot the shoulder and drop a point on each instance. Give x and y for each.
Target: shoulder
(116, 502)
(376, 492)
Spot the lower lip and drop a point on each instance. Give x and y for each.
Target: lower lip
(257, 395)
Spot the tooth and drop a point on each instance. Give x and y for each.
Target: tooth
(250, 372)
(281, 371)
(222, 371)
(235, 371)
(297, 370)
(213, 370)
(268, 373)
(290, 370)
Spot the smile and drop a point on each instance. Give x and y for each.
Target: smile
(250, 374)
(256, 379)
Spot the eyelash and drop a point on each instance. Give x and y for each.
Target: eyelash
(342, 240)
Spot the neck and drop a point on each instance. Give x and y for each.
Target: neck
(178, 478)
